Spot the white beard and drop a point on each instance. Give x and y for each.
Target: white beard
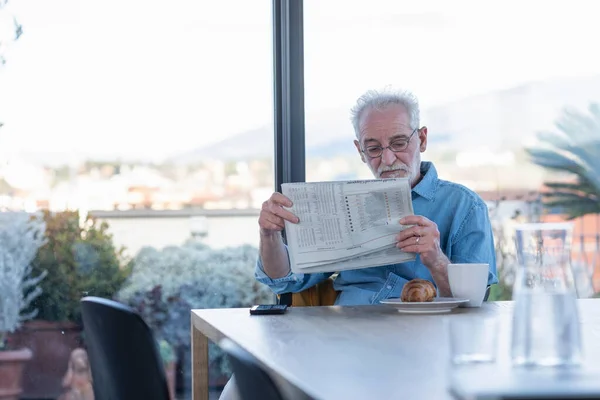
(395, 171)
(399, 170)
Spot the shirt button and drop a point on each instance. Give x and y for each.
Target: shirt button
(389, 287)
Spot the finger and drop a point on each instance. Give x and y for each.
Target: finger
(414, 245)
(414, 220)
(411, 241)
(279, 198)
(274, 208)
(270, 227)
(403, 245)
(410, 232)
(412, 249)
(274, 219)
(271, 222)
(283, 213)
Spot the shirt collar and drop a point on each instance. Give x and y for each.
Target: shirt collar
(427, 186)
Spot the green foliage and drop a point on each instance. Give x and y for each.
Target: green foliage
(165, 285)
(20, 238)
(501, 291)
(574, 150)
(81, 260)
(505, 264)
(506, 261)
(167, 352)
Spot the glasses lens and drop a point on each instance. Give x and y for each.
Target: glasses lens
(373, 151)
(399, 146)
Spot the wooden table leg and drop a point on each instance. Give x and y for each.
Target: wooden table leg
(199, 365)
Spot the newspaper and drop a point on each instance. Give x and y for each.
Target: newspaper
(346, 225)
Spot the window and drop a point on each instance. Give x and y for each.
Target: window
(155, 118)
(489, 78)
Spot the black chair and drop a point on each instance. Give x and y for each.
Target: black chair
(253, 383)
(124, 356)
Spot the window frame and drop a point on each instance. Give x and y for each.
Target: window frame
(288, 98)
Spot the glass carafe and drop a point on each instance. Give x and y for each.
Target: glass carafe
(545, 328)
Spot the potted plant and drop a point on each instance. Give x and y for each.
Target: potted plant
(81, 260)
(166, 284)
(20, 239)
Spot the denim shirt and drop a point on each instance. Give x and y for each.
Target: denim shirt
(465, 237)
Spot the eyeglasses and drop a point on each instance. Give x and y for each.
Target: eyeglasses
(396, 146)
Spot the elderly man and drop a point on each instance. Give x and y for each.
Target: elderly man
(451, 223)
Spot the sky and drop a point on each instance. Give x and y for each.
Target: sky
(148, 79)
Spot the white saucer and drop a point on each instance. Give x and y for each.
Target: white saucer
(438, 305)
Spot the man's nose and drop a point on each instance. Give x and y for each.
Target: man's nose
(388, 157)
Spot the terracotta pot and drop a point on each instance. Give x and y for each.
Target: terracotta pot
(51, 344)
(12, 363)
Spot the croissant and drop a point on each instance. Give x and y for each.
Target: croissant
(418, 290)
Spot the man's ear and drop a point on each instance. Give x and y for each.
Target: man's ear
(423, 138)
(362, 155)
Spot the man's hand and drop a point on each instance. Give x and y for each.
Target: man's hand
(271, 220)
(423, 238)
(273, 216)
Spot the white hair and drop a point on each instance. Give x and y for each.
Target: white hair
(380, 99)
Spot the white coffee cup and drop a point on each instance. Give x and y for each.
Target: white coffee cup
(468, 281)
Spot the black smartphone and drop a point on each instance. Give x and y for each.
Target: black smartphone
(268, 309)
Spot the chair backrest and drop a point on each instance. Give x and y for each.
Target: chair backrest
(321, 294)
(124, 356)
(253, 383)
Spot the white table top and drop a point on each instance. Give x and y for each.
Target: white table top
(366, 352)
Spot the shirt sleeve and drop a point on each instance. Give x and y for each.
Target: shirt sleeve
(291, 283)
(474, 241)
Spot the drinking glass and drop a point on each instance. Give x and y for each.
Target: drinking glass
(473, 339)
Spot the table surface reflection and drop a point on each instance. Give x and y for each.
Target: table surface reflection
(368, 352)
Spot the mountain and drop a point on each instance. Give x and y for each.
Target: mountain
(507, 119)
(498, 121)
(329, 128)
